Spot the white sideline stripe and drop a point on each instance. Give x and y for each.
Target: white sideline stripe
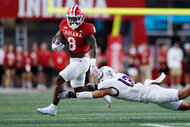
(67, 113)
(111, 114)
(171, 124)
(76, 118)
(126, 118)
(178, 123)
(107, 114)
(154, 125)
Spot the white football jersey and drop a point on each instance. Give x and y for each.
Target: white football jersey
(127, 89)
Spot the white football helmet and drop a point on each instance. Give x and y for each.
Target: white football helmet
(106, 73)
(75, 17)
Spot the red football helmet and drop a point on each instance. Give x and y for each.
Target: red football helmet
(75, 16)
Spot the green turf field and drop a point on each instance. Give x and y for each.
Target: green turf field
(19, 110)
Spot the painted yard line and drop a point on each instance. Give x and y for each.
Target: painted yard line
(124, 113)
(107, 116)
(178, 123)
(69, 113)
(124, 118)
(85, 124)
(73, 113)
(154, 125)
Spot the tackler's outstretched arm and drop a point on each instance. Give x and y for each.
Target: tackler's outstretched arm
(87, 94)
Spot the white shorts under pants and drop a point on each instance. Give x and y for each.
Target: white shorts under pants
(76, 71)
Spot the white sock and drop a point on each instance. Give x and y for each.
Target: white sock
(52, 106)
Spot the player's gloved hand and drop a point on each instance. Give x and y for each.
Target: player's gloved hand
(66, 94)
(93, 86)
(93, 68)
(57, 46)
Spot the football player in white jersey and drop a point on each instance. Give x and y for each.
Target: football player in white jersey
(120, 86)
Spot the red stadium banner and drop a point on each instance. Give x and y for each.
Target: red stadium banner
(37, 9)
(115, 52)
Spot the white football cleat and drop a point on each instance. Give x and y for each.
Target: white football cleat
(50, 110)
(107, 100)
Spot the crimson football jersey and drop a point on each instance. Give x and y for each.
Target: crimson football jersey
(76, 38)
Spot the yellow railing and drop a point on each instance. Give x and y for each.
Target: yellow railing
(118, 12)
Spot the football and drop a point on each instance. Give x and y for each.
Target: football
(60, 39)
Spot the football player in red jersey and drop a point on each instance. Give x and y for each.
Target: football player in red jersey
(80, 39)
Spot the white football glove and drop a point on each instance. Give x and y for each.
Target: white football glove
(107, 100)
(93, 68)
(55, 46)
(63, 95)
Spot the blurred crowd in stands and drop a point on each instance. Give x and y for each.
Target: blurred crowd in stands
(38, 67)
(174, 61)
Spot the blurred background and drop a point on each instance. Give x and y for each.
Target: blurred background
(145, 46)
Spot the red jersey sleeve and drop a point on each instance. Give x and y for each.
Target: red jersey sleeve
(89, 29)
(62, 23)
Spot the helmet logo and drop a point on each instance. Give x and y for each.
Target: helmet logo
(110, 73)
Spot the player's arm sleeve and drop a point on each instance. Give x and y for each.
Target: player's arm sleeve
(90, 29)
(95, 94)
